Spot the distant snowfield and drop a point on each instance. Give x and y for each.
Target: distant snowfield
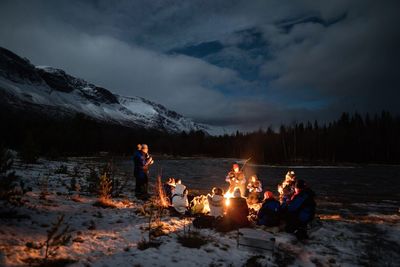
(110, 237)
(84, 98)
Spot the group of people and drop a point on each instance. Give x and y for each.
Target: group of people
(294, 208)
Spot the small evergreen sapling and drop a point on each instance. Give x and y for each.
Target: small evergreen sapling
(10, 189)
(58, 235)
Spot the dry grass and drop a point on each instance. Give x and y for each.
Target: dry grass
(193, 240)
(144, 244)
(105, 203)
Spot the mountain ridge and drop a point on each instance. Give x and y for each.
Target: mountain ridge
(26, 86)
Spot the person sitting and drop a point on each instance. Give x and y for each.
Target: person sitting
(179, 197)
(216, 205)
(236, 178)
(285, 196)
(236, 213)
(216, 202)
(300, 210)
(288, 184)
(168, 188)
(255, 189)
(269, 213)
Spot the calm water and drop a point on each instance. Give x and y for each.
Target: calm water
(366, 188)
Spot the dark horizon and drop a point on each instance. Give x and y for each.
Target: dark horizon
(238, 64)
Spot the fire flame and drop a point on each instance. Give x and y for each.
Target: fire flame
(162, 198)
(228, 195)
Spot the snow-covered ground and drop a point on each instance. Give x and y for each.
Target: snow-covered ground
(111, 236)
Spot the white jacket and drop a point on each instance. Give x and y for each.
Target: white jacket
(179, 198)
(216, 204)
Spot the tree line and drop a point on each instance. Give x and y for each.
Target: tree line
(352, 138)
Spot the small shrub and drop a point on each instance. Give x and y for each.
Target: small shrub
(192, 240)
(57, 236)
(105, 203)
(63, 169)
(44, 187)
(10, 189)
(105, 187)
(76, 172)
(92, 181)
(144, 244)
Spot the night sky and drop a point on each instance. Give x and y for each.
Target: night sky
(240, 64)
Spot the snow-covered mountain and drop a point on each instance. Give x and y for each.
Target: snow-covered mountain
(53, 92)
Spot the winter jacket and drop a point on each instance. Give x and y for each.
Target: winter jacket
(237, 212)
(255, 187)
(269, 213)
(179, 198)
(140, 161)
(216, 204)
(168, 190)
(302, 205)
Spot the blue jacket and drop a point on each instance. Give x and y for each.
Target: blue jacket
(139, 159)
(303, 205)
(269, 213)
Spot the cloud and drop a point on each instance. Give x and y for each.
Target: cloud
(351, 62)
(275, 61)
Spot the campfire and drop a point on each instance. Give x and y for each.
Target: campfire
(228, 195)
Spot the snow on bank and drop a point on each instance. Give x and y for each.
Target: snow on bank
(110, 237)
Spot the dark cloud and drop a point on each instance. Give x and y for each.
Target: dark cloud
(235, 63)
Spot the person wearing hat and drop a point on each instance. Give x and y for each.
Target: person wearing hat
(300, 210)
(236, 178)
(269, 213)
(236, 213)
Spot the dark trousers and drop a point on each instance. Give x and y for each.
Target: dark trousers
(142, 182)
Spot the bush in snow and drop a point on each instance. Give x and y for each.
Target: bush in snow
(63, 169)
(10, 189)
(58, 235)
(105, 187)
(92, 181)
(44, 187)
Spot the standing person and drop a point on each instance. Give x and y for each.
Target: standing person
(255, 188)
(136, 156)
(216, 204)
(236, 178)
(142, 162)
(300, 210)
(269, 213)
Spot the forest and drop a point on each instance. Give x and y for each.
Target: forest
(352, 138)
